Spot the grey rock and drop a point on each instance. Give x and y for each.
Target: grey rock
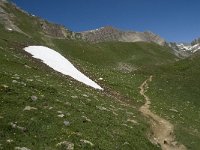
(55, 30)
(15, 126)
(34, 98)
(28, 108)
(87, 142)
(174, 110)
(14, 81)
(74, 97)
(66, 123)
(21, 148)
(67, 145)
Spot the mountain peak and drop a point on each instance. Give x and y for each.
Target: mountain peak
(109, 28)
(109, 33)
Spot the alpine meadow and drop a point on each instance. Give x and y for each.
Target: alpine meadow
(103, 89)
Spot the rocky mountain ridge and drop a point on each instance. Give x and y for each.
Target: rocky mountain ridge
(103, 34)
(186, 49)
(109, 33)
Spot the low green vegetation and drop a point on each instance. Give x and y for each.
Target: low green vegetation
(175, 96)
(42, 109)
(110, 54)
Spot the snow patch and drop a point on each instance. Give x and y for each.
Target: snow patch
(59, 63)
(189, 48)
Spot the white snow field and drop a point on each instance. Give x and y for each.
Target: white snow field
(59, 63)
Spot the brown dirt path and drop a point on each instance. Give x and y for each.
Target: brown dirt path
(162, 130)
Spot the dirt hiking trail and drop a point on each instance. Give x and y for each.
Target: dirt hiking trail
(162, 131)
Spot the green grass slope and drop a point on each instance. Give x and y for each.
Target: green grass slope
(89, 115)
(175, 94)
(65, 111)
(108, 54)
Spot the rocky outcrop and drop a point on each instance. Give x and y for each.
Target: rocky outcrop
(6, 18)
(185, 49)
(112, 34)
(55, 30)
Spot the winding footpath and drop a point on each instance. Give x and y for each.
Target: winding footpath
(162, 130)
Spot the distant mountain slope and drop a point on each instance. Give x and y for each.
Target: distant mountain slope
(117, 55)
(112, 34)
(186, 49)
(17, 20)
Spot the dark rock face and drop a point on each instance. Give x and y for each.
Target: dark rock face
(6, 19)
(55, 30)
(101, 35)
(111, 34)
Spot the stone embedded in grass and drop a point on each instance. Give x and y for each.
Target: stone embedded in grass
(16, 77)
(61, 115)
(102, 108)
(68, 103)
(34, 98)
(127, 125)
(50, 108)
(26, 66)
(132, 121)
(66, 123)
(9, 141)
(24, 84)
(126, 143)
(27, 108)
(100, 79)
(66, 145)
(85, 95)
(114, 113)
(4, 86)
(39, 80)
(15, 126)
(14, 81)
(74, 97)
(21, 148)
(86, 119)
(29, 80)
(88, 100)
(87, 142)
(60, 112)
(174, 110)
